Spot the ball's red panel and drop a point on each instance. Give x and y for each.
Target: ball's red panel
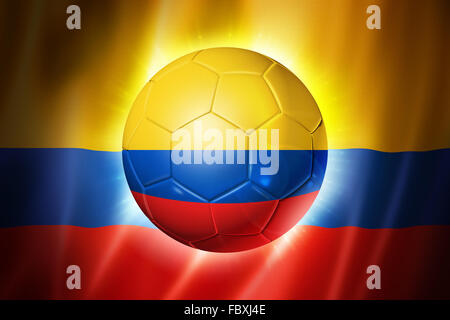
(225, 227)
(224, 243)
(288, 213)
(140, 199)
(242, 218)
(189, 220)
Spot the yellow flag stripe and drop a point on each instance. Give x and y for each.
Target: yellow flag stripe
(386, 90)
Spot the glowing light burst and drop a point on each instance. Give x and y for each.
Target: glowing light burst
(194, 261)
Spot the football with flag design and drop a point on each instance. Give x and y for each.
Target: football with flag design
(225, 149)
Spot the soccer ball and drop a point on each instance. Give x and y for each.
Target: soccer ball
(224, 149)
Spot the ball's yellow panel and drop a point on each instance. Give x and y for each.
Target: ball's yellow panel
(187, 96)
(218, 130)
(175, 64)
(181, 95)
(233, 60)
(245, 100)
(149, 136)
(320, 138)
(293, 97)
(137, 112)
(292, 136)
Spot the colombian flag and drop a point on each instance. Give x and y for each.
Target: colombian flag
(384, 96)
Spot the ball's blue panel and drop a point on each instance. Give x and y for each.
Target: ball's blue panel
(171, 189)
(130, 173)
(150, 166)
(318, 173)
(243, 193)
(210, 180)
(294, 169)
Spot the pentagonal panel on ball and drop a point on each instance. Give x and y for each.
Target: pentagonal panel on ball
(208, 156)
(208, 180)
(245, 100)
(209, 132)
